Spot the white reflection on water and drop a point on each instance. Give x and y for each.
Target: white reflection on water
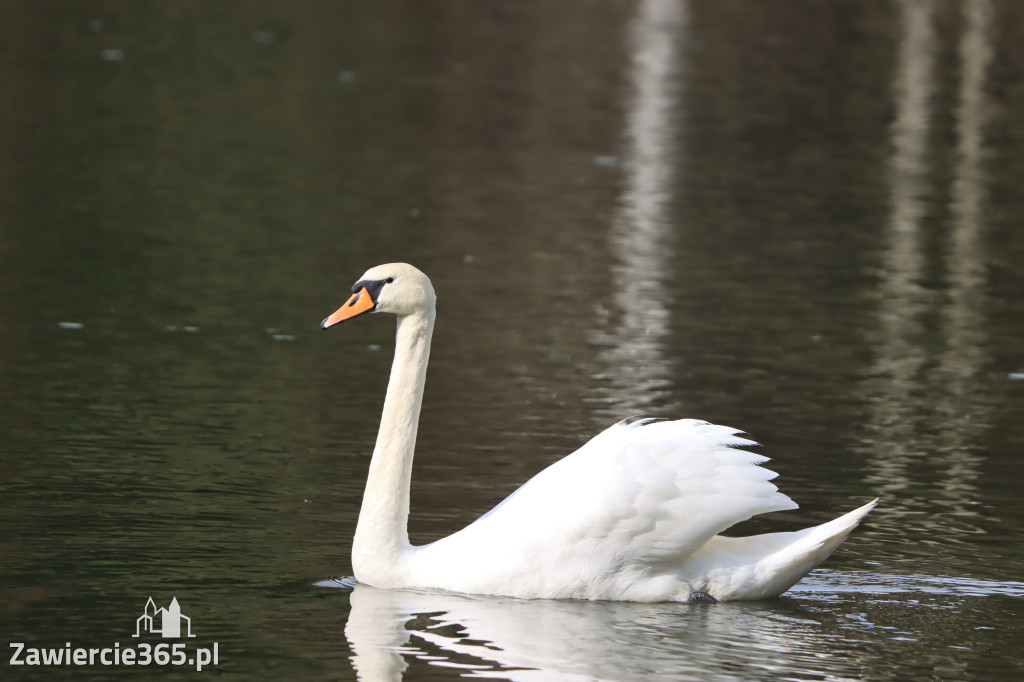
(633, 370)
(547, 639)
(513, 639)
(920, 396)
(896, 358)
(962, 321)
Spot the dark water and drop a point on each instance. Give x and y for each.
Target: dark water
(800, 219)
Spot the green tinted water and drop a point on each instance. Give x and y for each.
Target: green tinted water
(802, 221)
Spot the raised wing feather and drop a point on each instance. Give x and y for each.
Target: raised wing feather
(642, 494)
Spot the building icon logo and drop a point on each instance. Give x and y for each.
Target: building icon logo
(165, 622)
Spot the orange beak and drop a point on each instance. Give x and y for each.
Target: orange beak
(359, 303)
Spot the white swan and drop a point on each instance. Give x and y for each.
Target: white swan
(632, 515)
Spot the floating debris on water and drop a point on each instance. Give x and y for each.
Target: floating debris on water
(277, 335)
(374, 346)
(70, 325)
(606, 161)
(346, 76)
(1016, 376)
(112, 54)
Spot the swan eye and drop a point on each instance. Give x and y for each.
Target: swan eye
(389, 280)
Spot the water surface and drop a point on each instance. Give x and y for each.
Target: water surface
(802, 221)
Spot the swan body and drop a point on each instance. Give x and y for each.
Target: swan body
(635, 514)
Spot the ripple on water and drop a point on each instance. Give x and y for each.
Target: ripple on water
(827, 582)
(821, 582)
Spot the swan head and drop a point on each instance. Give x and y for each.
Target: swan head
(397, 288)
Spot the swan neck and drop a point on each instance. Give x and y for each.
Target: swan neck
(382, 531)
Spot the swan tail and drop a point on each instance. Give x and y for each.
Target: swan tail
(761, 566)
(814, 545)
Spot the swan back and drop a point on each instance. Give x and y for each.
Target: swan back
(617, 519)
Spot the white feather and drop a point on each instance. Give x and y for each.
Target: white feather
(634, 514)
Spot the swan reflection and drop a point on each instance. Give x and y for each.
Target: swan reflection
(545, 639)
(513, 639)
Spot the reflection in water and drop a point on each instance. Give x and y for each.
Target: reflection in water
(565, 640)
(513, 639)
(634, 374)
(962, 318)
(920, 398)
(896, 358)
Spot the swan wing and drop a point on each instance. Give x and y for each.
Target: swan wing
(644, 494)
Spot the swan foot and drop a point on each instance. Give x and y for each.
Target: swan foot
(702, 598)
